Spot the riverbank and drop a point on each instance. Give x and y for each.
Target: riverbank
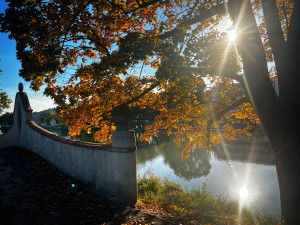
(196, 206)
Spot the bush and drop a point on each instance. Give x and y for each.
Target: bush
(148, 187)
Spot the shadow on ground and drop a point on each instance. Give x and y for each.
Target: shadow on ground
(34, 192)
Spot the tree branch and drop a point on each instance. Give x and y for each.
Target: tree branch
(214, 10)
(140, 6)
(238, 78)
(215, 102)
(145, 4)
(275, 34)
(73, 20)
(234, 76)
(154, 85)
(218, 116)
(98, 40)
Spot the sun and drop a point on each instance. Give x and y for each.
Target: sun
(232, 35)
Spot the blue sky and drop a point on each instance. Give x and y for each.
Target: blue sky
(10, 78)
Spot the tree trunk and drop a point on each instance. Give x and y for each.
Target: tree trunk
(278, 115)
(287, 163)
(285, 139)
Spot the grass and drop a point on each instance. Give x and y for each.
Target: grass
(196, 206)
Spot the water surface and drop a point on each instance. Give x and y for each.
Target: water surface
(250, 166)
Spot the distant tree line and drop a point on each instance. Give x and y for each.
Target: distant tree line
(47, 117)
(6, 119)
(4, 100)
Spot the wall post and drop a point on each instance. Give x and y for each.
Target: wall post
(123, 142)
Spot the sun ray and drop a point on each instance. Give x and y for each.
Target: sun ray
(224, 58)
(233, 38)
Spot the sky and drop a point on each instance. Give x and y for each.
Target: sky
(9, 79)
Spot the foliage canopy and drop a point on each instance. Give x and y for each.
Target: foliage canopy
(164, 55)
(95, 55)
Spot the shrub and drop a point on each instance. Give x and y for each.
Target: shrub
(148, 187)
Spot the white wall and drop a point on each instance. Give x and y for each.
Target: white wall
(112, 170)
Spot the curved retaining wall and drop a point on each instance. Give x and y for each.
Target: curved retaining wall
(110, 169)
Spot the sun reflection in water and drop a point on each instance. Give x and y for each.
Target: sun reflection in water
(244, 193)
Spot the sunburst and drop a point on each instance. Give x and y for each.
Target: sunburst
(232, 35)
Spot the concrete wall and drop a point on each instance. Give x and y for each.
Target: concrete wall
(110, 169)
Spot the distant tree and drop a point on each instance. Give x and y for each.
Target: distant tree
(4, 100)
(144, 114)
(47, 117)
(6, 118)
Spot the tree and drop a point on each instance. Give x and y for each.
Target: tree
(7, 119)
(4, 100)
(47, 117)
(95, 55)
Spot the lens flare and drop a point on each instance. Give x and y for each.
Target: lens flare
(231, 35)
(244, 193)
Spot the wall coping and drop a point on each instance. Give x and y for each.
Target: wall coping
(83, 144)
(55, 137)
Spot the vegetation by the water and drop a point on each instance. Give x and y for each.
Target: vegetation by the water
(197, 206)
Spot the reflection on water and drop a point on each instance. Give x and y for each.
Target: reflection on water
(251, 167)
(197, 165)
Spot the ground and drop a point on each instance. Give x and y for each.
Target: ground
(34, 192)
